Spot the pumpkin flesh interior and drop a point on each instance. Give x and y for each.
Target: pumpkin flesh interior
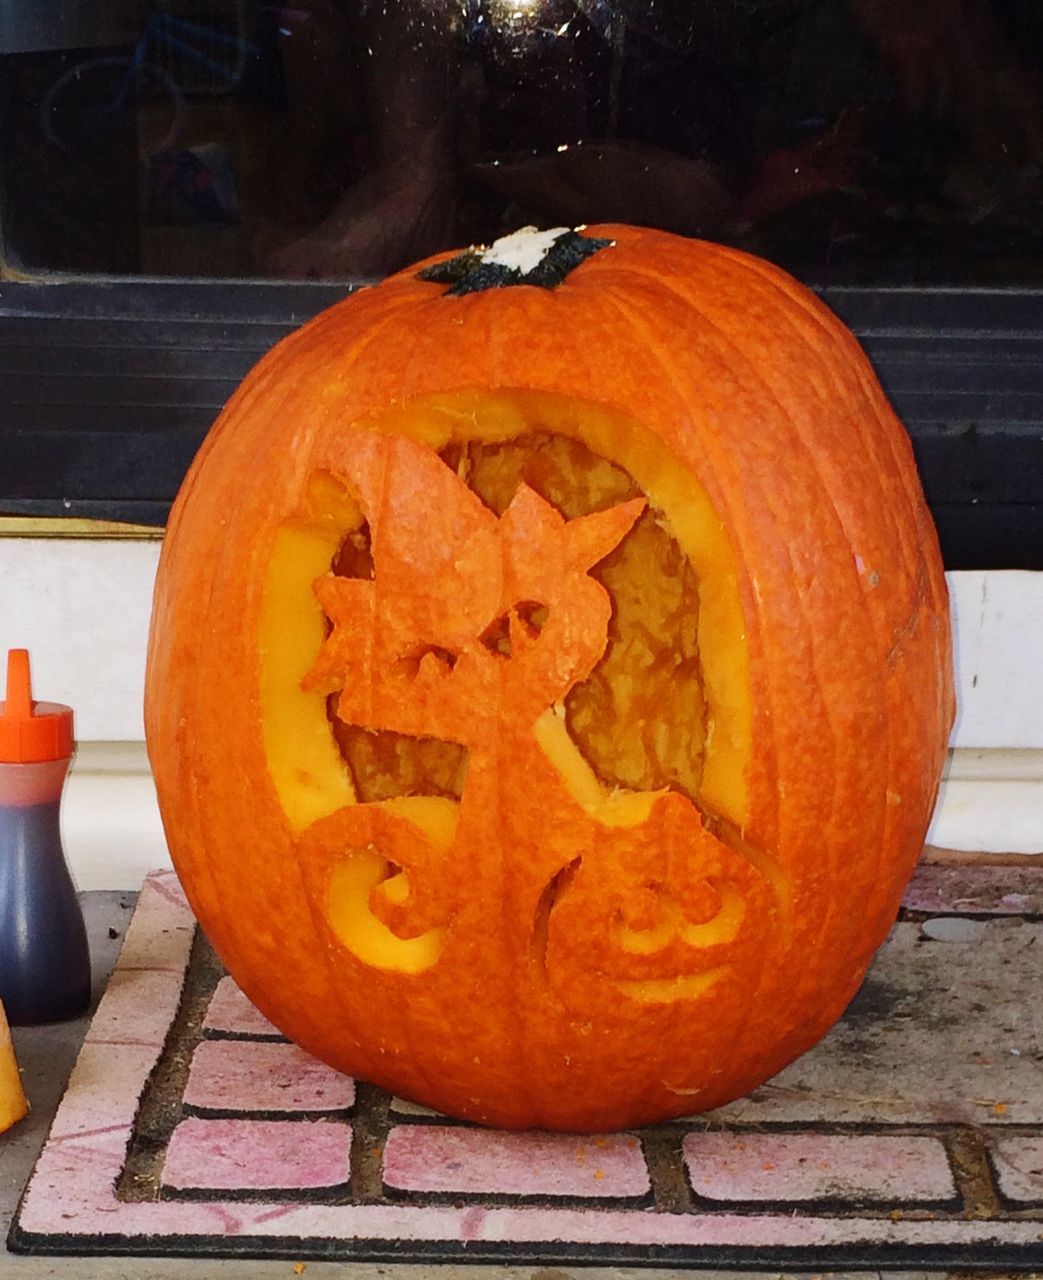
(667, 706)
(639, 718)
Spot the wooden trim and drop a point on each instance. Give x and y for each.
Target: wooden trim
(59, 527)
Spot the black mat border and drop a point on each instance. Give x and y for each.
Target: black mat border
(884, 1257)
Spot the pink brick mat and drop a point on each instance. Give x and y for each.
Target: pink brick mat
(911, 1138)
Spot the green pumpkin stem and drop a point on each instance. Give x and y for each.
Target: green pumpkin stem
(470, 272)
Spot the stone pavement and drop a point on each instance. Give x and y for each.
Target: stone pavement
(911, 1137)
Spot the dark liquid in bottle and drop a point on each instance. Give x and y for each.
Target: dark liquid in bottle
(45, 973)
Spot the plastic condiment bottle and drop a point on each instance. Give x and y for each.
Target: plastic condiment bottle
(45, 971)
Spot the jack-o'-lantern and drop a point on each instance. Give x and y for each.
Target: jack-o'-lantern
(550, 678)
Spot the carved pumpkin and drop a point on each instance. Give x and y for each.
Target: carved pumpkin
(550, 679)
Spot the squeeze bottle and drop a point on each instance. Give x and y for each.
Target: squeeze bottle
(45, 972)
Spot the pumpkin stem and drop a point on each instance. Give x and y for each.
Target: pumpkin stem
(528, 256)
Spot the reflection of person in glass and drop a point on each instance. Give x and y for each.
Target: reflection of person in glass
(951, 58)
(393, 124)
(473, 116)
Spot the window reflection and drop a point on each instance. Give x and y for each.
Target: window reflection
(863, 140)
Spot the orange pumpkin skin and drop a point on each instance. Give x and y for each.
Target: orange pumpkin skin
(568, 968)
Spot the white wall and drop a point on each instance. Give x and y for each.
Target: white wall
(82, 608)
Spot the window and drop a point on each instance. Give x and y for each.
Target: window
(888, 153)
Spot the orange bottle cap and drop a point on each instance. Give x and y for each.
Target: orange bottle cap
(31, 732)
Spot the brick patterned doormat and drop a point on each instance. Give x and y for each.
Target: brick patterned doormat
(910, 1138)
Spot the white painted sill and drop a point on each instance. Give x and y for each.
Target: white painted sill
(82, 608)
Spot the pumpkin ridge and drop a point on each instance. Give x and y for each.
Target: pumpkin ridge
(415, 366)
(834, 812)
(890, 440)
(841, 523)
(885, 440)
(239, 454)
(220, 441)
(902, 455)
(651, 342)
(861, 903)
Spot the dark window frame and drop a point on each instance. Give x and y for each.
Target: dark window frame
(107, 387)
